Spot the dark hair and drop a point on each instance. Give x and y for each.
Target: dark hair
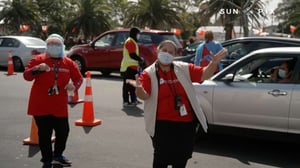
(133, 32)
(209, 35)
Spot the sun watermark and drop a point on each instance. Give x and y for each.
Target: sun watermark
(236, 11)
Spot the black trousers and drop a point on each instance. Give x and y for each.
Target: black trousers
(173, 143)
(46, 125)
(128, 90)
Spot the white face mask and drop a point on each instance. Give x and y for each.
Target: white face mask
(165, 58)
(55, 51)
(281, 73)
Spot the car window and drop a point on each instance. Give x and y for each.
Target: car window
(145, 38)
(33, 42)
(106, 40)
(261, 70)
(9, 42)
(121, 38)
(172, 38)
(238, 50)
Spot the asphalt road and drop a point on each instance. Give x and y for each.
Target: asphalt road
(121, 141)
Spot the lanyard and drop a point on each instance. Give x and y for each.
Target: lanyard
(56, 70)
(172, 85)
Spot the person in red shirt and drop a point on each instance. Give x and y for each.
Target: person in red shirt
(48, 101)
(171, 109)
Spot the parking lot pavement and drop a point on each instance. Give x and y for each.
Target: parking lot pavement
(121, 140)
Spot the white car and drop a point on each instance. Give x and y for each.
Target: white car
(23, 49)
(243, 97)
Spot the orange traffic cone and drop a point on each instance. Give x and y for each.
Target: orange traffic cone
(34, 138)
(74, 99)
(88, 109)
(10, 65)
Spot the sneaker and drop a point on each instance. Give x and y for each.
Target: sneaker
(126, 104)
(61, 161)
(47, 165)
(137, 102)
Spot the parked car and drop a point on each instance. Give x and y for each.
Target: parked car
(191, 49)
(240, 47)
(242, 96)
(23, 49)
(105, 53)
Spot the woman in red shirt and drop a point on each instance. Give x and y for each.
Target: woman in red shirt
(171, 110)
(48, 101)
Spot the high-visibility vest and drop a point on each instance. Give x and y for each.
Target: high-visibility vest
(127, 61)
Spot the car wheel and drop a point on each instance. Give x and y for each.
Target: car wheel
(18, 65)
(106, 72)
(80, 63)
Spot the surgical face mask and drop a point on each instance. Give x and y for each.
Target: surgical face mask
(165, 58)
(55, 51)
(281, 73)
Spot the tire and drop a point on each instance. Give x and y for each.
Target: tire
(80, 63)
(18, 64)
(106, 72)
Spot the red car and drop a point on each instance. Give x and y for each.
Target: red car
(105, 53)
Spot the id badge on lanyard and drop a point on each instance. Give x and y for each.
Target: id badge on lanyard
(55, 88)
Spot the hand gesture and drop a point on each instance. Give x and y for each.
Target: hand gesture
(70, 87)
(134, 83)
(219, 56)
(43, 67)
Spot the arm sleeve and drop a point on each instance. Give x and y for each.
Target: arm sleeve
(131, 48)
(146, 82)
(30, 71)
(76, 76)
(195, 73)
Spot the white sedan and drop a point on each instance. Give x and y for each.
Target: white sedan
(244, 96)
(23, 49)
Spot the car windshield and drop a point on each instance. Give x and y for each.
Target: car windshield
(171, 37)
(33, 42)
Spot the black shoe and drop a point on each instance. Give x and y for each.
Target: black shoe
(61, 161)
(47, 165)
(137, 102)
(128, 104)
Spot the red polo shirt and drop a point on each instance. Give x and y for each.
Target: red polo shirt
(40, 103)
(169, 87)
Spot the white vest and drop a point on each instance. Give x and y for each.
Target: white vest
(150, 105)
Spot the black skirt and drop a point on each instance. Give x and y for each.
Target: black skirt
(173, 141)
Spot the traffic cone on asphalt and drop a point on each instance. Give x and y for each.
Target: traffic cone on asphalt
(75, 98)
(33, 139)
(10, 65)
(88, 109)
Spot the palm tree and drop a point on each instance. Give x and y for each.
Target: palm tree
(248, 10)
(19, 12)
(90, 17)
(288, 12)
(117, 11)
(155, 14)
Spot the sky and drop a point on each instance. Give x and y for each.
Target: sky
(271, 6)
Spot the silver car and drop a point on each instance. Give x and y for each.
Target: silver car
(23, 49)
(243, 95)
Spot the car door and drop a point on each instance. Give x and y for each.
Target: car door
(104, 54)
(294, 115)
(250, 99)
